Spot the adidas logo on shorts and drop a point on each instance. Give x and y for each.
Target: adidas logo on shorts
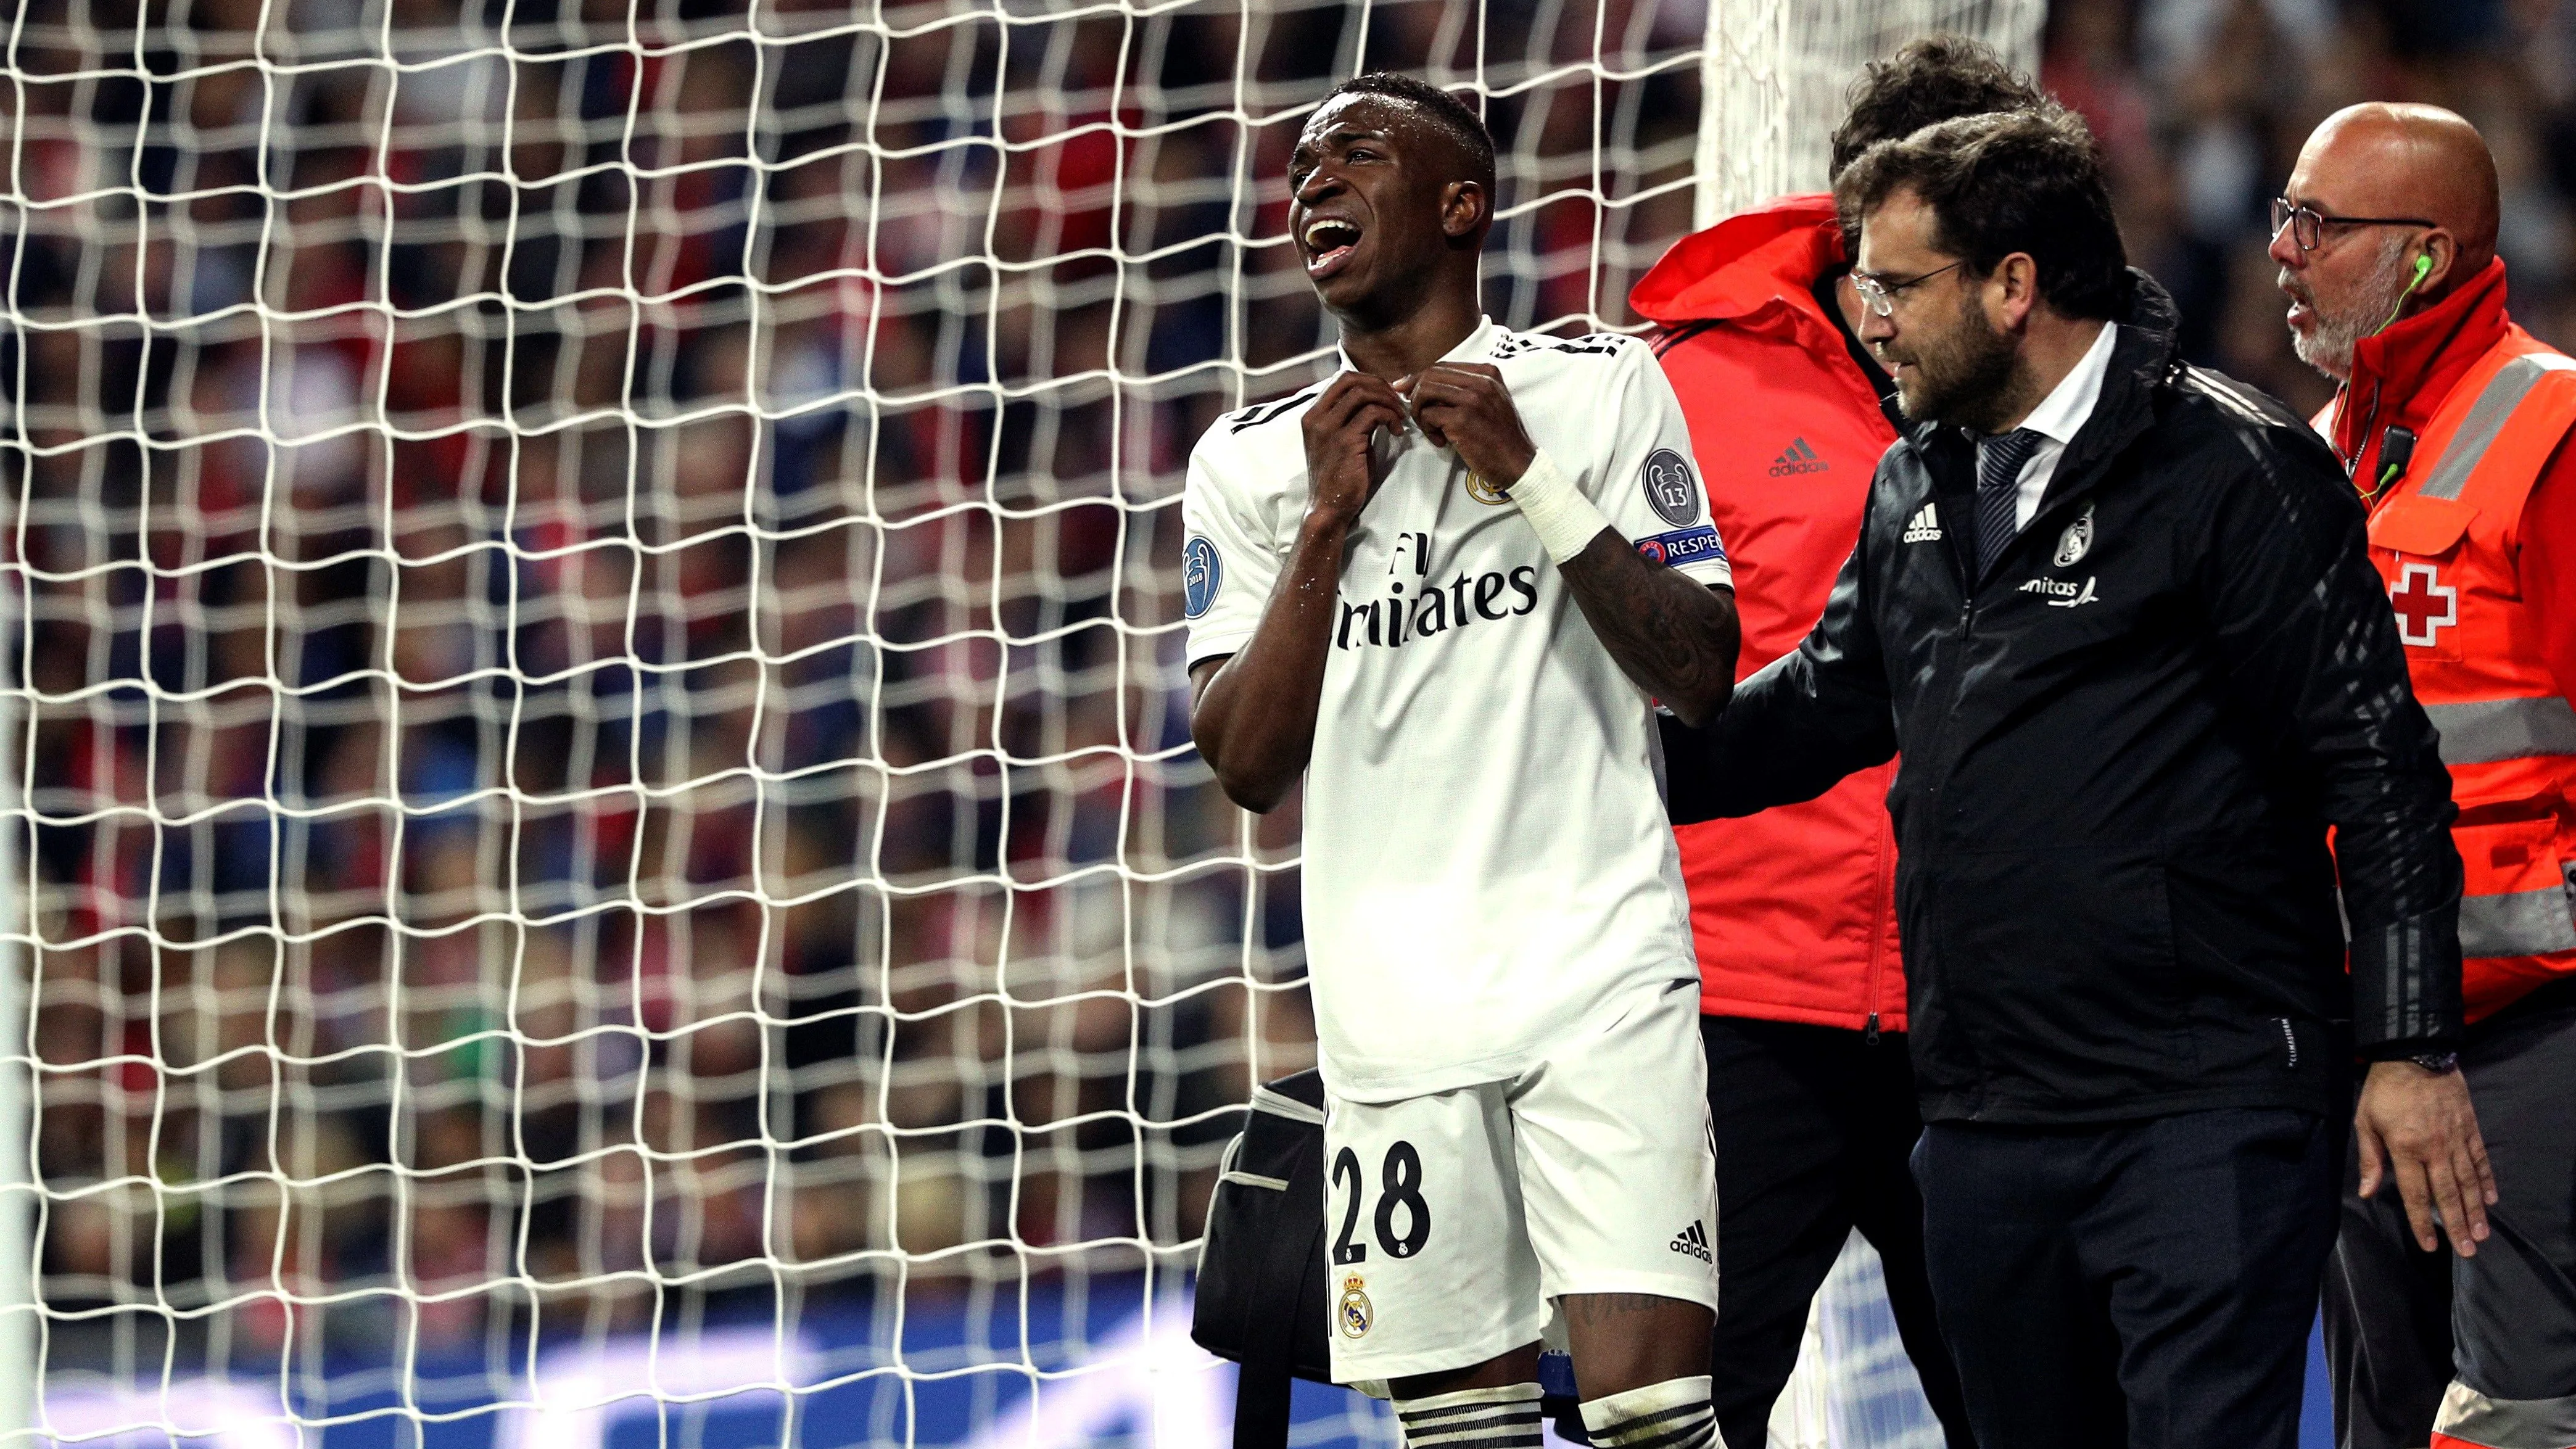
(1925, 528)
(1694, 1241)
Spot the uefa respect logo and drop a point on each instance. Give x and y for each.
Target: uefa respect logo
(1682, 546)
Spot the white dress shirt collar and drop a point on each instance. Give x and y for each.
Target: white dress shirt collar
(2057, 419)
(2061, 414)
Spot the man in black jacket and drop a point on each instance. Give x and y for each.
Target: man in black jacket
(2116, 614)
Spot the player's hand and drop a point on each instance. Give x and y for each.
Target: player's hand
(1464, 405)
(1338, 470)
(2430, 1132)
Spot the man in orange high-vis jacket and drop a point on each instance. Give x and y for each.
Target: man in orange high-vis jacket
(1802, 993)
(2455, 423)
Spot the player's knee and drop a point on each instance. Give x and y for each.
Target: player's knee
(1501, 1417)
(1674, 1414)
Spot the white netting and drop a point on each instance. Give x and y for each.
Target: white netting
(603, 832)
(1775, 72)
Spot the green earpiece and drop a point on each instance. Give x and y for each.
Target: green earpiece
(2423, 265)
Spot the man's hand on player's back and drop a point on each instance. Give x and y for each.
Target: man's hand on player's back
(1338, 428)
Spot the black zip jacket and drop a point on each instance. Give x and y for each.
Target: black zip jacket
(2123, 746)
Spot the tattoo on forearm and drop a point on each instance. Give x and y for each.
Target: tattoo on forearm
(1670, 649)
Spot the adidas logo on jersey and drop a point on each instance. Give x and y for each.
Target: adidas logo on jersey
(1694, 1241)
(1798, 459)
(1926, 527)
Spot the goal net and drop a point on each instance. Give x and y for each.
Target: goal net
(602, 844)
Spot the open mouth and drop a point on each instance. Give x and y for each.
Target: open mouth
(2303, 308)
(1329, 240)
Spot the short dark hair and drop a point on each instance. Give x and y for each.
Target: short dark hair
(2005, 182)
(1451, 115)
(1930, 80)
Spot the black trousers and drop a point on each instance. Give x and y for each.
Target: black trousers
(2401, 1323)
(2147, 1284)
(1813, 1126)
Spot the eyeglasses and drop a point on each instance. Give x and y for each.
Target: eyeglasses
(1880, 295)
(2309, 225)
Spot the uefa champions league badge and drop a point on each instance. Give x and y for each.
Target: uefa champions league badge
(1356, 1315)
(1201, 569)
(1670, 489)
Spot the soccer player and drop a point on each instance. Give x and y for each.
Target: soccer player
(1448, 587)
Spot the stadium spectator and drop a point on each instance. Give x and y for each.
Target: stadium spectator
(1802, 993)
(2452, 419)
(2118, 616)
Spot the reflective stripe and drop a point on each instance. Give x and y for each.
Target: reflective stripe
(2504, 392)
(2504, 729)
(2470, 1417)
(2517, 923)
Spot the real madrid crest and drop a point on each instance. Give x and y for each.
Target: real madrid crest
(1355, 1315)
(1484, 492)
(2077, 540)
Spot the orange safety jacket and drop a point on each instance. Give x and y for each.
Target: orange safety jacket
(2445, 534)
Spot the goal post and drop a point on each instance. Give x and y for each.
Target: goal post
(1774, 73)
(601, 844)
(20, 1328)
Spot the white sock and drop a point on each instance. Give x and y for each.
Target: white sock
(1674, 1414)
(1504, 1418)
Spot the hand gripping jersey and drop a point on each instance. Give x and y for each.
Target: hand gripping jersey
(1487, 863)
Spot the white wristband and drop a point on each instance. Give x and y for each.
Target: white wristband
(1565, 520)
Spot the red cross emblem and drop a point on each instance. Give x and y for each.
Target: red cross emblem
(2423, 603)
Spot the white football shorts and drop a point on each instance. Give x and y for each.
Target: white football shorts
(1452, 1220)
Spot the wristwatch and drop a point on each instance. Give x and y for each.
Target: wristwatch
(2437, 1062)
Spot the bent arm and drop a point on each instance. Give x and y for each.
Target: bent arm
(2314, 660)
(1252, 713)
(1674, 637)
(1798, 725)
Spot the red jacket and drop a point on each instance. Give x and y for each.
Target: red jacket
(1794, 908)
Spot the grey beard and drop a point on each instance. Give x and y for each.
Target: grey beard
(2328, 348)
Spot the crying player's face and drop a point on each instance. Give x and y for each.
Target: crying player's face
(1366, 187)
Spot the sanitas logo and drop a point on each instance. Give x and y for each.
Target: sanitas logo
(1798, 459)
(2061, 593)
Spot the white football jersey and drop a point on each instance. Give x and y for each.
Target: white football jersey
(1487, 860)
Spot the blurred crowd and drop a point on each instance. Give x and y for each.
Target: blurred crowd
(597, 638)
(2201, 106)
